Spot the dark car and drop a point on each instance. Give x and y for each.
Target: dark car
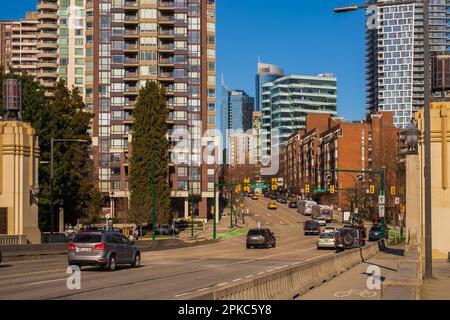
(274, 197)
(166, 230)
(293, 204)
(181, 224)
(282, 200)
(106, 249)
(375, 233)
(257, 238)
(311, 228)
(349, 238)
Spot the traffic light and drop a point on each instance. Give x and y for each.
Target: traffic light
(274, 184)
(393, 191)
(332, 189)
(238, 189)
(307, 188)
(372, 189)
(247, 186)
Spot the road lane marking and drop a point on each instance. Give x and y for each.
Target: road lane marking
(248, 277)
(222, 284)
(260, 273)
(43, 282)
(271, 270)
(238, 279)
(182, 294)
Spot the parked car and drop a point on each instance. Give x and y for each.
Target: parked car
(282, 200)
(274, 197)
(311, 227)
(261, 238)
(106, 249)
(272, 206)
(349, 238)
(327, 240)
(166, 230)
(181, 224)
(375, 233)
(293, 204)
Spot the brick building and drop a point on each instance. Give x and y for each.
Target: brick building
(332, 143)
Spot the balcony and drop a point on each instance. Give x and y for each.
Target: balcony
(131, 91)
(167, 33)
(131, 47)
(129, 120)
(166, 19)
(131, 62)
(166, 5)
(131, 20)
(47, 5)
(131, 75)
(167, 47)
(131, 34)
(131, 5)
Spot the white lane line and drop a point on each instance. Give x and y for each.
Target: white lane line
(182, 294)
(204, 289)
(271, 270)
(297, 263)
(48, 281)
(284, 266)
(248, 277)
(238, 279)
(278, 268)
(260, 273)
(222, 284)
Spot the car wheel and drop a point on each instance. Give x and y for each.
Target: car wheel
(249, 247)
(112, 265)
(274, 244)
(137, 261)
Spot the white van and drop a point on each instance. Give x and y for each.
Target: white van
(305, 207)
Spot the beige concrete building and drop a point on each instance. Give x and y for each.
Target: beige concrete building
(19, 161)
(440, 163)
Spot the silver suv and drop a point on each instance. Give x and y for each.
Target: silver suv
(106, 249)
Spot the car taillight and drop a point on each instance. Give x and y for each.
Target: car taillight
(71, 246)
(100, 246)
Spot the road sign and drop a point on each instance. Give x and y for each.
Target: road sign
(108, 216)
(320, 190)
(400, 217)
(360, 178)
(397, 201)
(382, 211)
(381, 200)
(260, 186)
(356, 210)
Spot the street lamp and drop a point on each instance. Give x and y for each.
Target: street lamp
(215, 201)
(427, 120)
(52, 143)
(111, 198)
(192, 200)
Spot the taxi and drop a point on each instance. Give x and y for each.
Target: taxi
(272, 206)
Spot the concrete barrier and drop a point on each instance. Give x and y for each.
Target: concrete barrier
(294, 281)
(406, 283)
(33, 252)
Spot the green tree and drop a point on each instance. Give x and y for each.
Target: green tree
(61, 117)
(149, 133)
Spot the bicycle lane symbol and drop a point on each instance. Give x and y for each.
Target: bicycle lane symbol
(362, 293)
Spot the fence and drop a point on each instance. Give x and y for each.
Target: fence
(6, 240)
(292, 282)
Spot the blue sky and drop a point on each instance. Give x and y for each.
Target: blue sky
(301, 36)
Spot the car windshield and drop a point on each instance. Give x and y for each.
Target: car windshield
(255, 232)
(88, 238)
(326, 235)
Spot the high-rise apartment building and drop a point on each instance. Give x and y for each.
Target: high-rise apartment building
(19, 44)
(48, 29)
(168, 41)
(265, 73)
(109, 49)
(286, 103)
(236, 113)
(256, 136)
(395, 56)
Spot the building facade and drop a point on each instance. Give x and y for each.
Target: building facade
(19, 44)
(330, 143)
(286, 103)
(256, 138)
(264, 74)
(395, 53)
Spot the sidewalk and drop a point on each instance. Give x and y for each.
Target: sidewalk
(437, 288)
(352, 284)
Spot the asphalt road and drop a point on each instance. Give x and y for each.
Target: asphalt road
(171, 274)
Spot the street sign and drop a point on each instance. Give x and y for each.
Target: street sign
(346, 216)
(356, 210)
(397, 201)
(400, 217)
(360, 178)
(260, 186)
(382, 211)
(320, 190)
(381, 200)
(108, 216)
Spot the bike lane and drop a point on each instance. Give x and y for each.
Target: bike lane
(362, 282)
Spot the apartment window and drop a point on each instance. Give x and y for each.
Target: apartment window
(148, 14)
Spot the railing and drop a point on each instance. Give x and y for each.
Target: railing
(6, 240)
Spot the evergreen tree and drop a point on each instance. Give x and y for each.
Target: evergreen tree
(149, 135)
(60, 117)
